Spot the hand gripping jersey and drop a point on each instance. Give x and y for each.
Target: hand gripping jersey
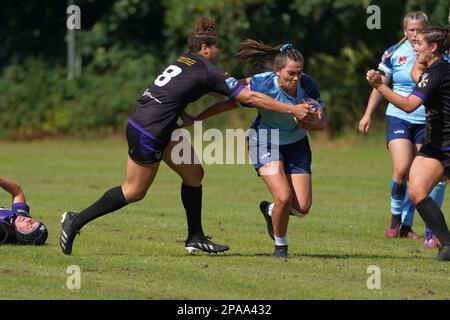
(289, 131)
(434, 89)
(397, 62)
(186, 80)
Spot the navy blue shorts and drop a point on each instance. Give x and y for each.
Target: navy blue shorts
(397, 128)
(295, 156)
(143, 147)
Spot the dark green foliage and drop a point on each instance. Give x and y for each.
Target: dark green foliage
(124, 44)
(37, 102)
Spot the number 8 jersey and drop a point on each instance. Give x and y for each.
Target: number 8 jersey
(186, 80)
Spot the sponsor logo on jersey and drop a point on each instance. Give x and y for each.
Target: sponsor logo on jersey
(402, 60)
(265, 155)
(399, 131)
(231, 83)
(424, 80)
(187, 61)
(148, 94)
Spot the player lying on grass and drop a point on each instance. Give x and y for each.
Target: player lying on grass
(16, 224)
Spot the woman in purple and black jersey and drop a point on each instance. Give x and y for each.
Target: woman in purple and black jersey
(433, 159)
(149, 132)
(404, 131)
(16, 224)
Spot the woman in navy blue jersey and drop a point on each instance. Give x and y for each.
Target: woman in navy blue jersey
(433, 159)
(149, 132)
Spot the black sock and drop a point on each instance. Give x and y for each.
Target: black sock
(434, 219)
(112, 200)
(192, 202)
(404, 230)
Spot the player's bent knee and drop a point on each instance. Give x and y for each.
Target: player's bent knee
(305, 210)
(134, 195)
(300, 212)
(201, 174)
(416, 194)
(400, 175)
(194, 178)
(283, 200)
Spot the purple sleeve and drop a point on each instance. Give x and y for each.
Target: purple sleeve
(221, 82)
(5, 215)
(21, 208)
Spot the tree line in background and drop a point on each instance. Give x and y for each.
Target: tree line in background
(124, 44)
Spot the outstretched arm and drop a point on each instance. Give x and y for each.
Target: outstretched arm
(14, 189)
(209, 112)
(262, 101)
(187, 119)
(215, 109)
(407, 104)
(219, 107)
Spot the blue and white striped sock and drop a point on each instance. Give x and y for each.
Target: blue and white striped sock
(397, 197)
(438, 192)
(408, 211)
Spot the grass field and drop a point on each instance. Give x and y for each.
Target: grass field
(138, 252)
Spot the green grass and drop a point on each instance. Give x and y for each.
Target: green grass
(138, 253)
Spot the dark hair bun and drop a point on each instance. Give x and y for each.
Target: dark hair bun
(205, 27)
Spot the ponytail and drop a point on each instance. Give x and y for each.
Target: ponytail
(260, 57)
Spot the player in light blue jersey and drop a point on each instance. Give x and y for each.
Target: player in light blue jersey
(404, 132)
(283, 161)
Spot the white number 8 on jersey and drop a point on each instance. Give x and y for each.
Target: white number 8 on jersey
(170, 72)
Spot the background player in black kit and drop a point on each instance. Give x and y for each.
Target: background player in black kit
(150, 128)
(433, 159)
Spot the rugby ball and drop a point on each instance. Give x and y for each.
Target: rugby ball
(312, 105)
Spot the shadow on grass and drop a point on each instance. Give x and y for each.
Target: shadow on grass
(351, 256)
(309, 255)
